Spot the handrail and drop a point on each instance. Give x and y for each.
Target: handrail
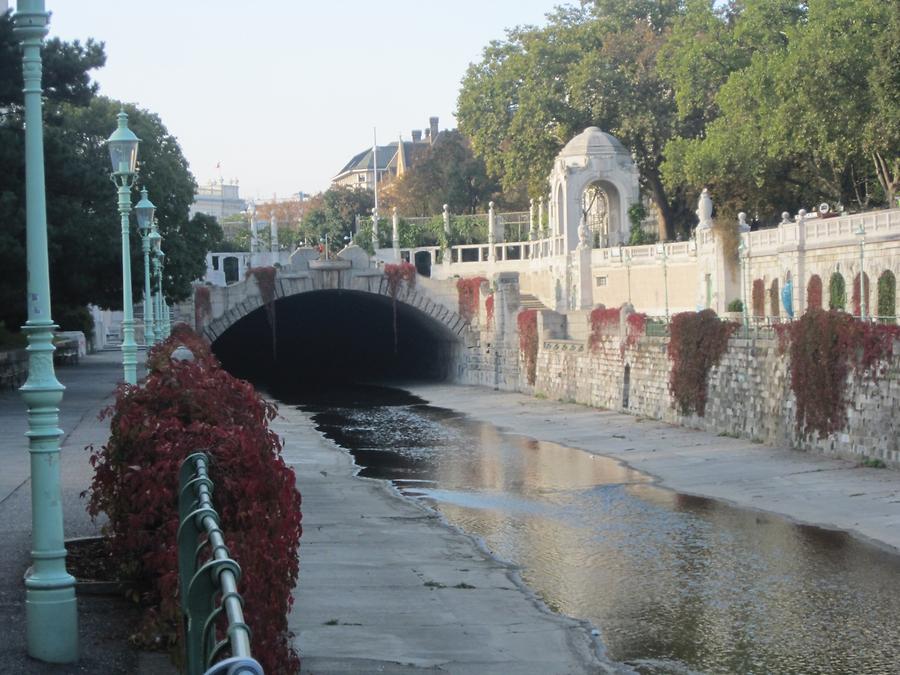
(202, 583)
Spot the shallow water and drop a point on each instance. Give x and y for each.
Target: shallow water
(674, 583)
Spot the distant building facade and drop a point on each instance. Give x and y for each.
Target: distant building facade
(388, 161)
(219, 199)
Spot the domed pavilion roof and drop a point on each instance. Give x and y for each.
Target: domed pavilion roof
(593, 141)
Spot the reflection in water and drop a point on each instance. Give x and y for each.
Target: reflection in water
(673, 582)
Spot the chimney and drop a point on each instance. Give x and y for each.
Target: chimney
(417, 135)
(433, 125)
(428, 135)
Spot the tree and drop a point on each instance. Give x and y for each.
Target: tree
(448, 174)
(83, 222)
(334, 213)
(591, 65)
(801, 115)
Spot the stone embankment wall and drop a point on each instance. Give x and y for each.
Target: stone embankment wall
(749, 391)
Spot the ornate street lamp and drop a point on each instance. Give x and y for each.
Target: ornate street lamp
(144, 211)
(661, 252)
(861, 233)
(51, 614)
(155, 241)
(123, 149)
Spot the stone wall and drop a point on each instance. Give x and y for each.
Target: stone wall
(749, 391)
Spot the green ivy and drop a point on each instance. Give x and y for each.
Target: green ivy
(837, 292)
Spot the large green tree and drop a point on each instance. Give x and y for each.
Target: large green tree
(82, 219)
(591, 65)
(798, 112)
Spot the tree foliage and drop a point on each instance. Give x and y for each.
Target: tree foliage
(449, 173)
(82, 217)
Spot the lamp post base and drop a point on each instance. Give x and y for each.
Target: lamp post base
(52, 623)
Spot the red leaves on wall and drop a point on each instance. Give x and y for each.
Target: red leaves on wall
(202, 306)
(814, 292)
(603, 322)
(489, 309)
(824, 347)
(182, 408)
(758, 295)
(265, 280)
(528, 341)
(469, 291)
(636, 327)
(395, 275)
(855, 298)
(697, 342)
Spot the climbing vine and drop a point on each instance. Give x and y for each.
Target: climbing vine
(635, 327)
(759, 297)
(697, 342)
(825, 346)
(396, 275)
(814, 292)
(855, 299)
(202, 305)
(837, 292)
(528, 341)
(265, 281)
(887, 294)
(604, 322)
(469, 291)
(489, 309)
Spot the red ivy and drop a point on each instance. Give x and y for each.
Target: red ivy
(814, 292)
(265, 280)
(855, 298)
(202, 305)
(759, 297)
(182, 408)
(635, 327)
(697, 342)
(528, 341)
(469, 291)
(489, 309)
(824, 347)
(395, 275)
(603, 322)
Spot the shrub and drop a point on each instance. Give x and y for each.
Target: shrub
(75, 318)
(528, 341)
(469, 291)
(887, 294)
(182, 408)
(489, 309)
(635, 327)
(697, 342)
(736, 305)
(837, 292)
(824, 347)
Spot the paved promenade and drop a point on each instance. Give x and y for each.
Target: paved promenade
(804, 487)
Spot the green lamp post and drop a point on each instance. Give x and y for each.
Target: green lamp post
(51, 615)
(156, 247)
(144, 211)
(123, 149)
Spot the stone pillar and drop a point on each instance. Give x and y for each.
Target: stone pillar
(273, 232)
(540, 220)
(532, 232)
(582, 277)
(447, 254)
(395, 234)
(492, 253)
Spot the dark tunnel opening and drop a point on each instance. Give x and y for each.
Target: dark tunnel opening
(332, 339)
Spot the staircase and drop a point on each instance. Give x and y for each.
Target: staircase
(527, 301)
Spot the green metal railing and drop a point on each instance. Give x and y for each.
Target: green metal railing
(208, 580)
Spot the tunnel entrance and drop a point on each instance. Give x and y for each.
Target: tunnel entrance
(335, 338)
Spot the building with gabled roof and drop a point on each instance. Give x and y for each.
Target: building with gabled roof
(389, 161)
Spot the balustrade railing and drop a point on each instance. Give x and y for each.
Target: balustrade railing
(208, 580)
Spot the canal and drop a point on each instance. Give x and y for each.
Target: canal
(674, 583)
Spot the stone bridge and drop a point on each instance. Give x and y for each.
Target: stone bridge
(352, 271)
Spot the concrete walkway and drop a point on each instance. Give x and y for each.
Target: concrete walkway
(804, 487)
(386, 587)
(104, 622)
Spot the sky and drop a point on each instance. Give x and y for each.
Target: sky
(282, 93)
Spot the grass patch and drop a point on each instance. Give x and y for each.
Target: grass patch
(463, 584)
(435, 584)
(872, 463)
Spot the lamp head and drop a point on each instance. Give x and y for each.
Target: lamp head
(144, 211)
(123, 148)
